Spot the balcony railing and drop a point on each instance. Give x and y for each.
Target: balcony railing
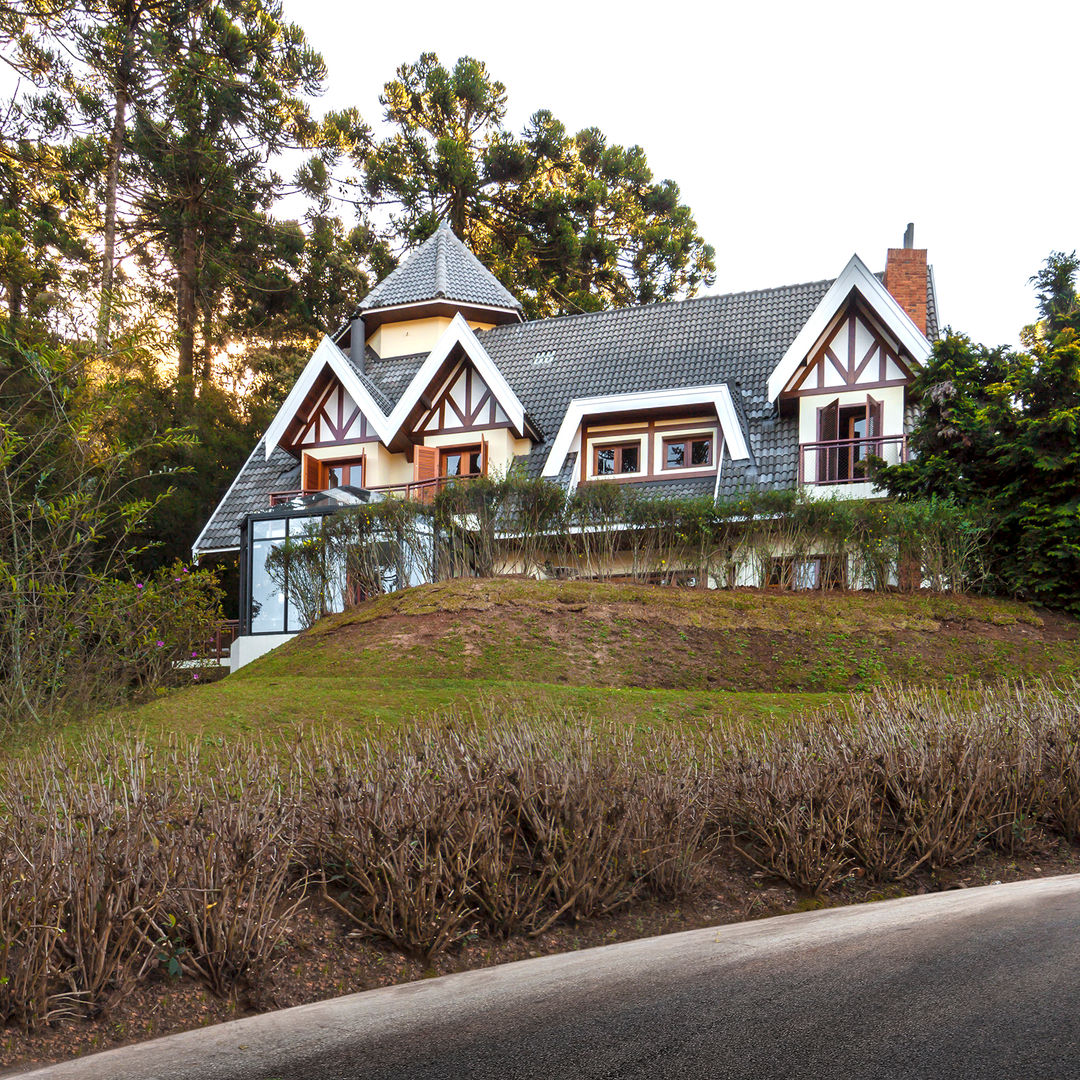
(847, 461)
(421, 490)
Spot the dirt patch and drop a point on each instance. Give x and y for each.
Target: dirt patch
(325, 958)
(618, 635)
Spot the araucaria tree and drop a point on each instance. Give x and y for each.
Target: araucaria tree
(567, 222)
(228, 97)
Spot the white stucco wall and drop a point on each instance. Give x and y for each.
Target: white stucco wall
(245, 649)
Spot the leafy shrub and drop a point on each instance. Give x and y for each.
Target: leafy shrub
(148, 633)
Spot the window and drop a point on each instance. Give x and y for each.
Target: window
(845, 435)
(817, 572)
(693, 452)
(616, 460)
(275, 610)
(349, 473)
(461, 461)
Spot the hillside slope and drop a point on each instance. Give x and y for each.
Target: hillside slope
(617, 635)
(638, 653)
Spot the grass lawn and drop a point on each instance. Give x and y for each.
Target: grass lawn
(644, 655)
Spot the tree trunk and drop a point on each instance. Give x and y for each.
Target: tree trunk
(207, 345)
(15, 302)
(185, 314)
(15, 286)
(108, 258)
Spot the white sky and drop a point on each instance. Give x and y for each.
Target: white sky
(797, 132)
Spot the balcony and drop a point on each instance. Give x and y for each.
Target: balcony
(840, 462)
(423, 491)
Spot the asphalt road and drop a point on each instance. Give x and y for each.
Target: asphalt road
(967, 984)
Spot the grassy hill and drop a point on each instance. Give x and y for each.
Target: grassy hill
(643, 654)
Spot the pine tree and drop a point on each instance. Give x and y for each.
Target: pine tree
(568, 223)
(229, 77)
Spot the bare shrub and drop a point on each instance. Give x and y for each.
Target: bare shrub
(29, 918)
(104, 875)
(115, 861)
(225, 868)
(788, 807)
(392, 837)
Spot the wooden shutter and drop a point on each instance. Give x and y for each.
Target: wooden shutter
(828, 431)
(873, 425)
(425, 463)
(873, 417)
(309, 473)
(483, 457)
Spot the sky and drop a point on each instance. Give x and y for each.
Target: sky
(798, 133)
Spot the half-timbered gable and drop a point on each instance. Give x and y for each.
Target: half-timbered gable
(332, 418)
(844, 381)
(465, 403)
(856, 352)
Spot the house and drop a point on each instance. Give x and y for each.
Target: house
(438, 378)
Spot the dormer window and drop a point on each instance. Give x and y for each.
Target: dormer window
(688, 453)
(617, 459)
(349, 473)
(461, 461)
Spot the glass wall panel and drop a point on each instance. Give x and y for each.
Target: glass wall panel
(266, 530)
(267, 600)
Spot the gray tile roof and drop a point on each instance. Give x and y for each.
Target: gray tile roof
(694, 487)
(441, 268)
(249, 493)
(392, 375)
(369, 384)
(737, 339)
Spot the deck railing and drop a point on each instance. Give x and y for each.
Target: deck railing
(420, 490)
(220, 644)
(847, 461)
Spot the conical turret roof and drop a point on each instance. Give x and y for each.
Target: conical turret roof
(441, 268)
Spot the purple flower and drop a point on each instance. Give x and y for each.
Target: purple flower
(193, 655)
(161, 644)
(195, 677)
(139, 586)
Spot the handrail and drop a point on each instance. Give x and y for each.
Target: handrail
(225, 633)
(836, 457)
(424, 490)
(421, 490)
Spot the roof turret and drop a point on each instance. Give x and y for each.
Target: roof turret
(442, 269)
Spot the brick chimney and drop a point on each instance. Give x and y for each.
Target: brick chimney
(905, 278)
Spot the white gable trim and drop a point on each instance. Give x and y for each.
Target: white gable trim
(717, 395)
(326, 355)
(892, 316)
(386, 427)
(459, 333)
